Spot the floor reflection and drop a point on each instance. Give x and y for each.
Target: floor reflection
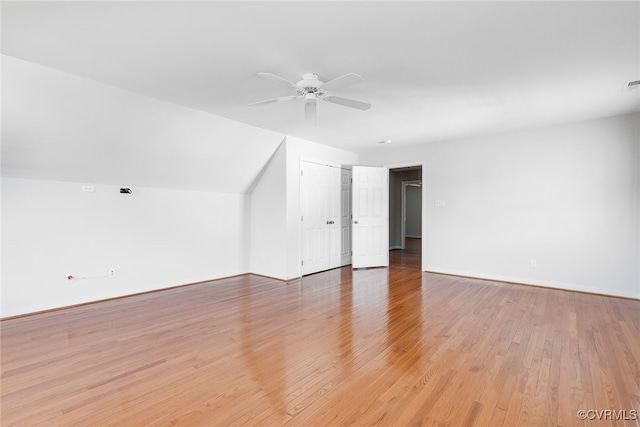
(404, 311)
(345, 329)
(332, 314)
(264, 355)
(408, 258)
(404, 317)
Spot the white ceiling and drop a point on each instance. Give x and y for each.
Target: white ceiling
(432, 70)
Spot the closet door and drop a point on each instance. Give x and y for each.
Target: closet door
(326, 217)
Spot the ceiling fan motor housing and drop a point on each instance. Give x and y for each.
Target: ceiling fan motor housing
(310, 83)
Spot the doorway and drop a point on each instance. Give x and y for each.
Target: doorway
(406, 206)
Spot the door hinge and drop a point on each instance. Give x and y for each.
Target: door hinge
(351, 253)
(351, 180)
(301, 218)
(302, 262)
(301, 173)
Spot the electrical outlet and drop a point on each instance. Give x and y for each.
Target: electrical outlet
(534, 263)
(112, 273)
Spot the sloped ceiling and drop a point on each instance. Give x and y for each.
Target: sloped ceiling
(58, 126)
(432, 70)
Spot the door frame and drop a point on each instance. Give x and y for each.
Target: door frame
(423, 165)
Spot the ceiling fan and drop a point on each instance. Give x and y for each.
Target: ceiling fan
(311, 88)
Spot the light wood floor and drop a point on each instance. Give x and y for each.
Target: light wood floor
(380, 346)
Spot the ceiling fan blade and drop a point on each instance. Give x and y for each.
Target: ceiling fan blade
(342, 81)
(281, 99)
(310, 111)
(347, 102)
(279, 79)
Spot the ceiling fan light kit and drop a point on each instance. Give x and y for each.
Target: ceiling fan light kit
(312, 88)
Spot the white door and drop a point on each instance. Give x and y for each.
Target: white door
(326, 217)
(370, 206)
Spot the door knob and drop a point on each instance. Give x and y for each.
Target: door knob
(355, 222)
(330, 222)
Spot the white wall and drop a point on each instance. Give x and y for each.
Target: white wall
(268, 248)
(414, 212)
(154, 238)
(565, 196)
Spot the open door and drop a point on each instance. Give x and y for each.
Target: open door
(370, 196)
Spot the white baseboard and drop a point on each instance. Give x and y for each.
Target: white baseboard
(540, 283)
